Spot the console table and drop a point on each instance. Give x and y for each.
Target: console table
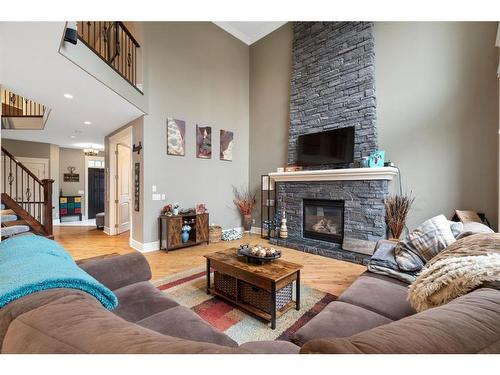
(170, 229)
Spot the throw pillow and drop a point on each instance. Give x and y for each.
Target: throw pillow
(456, 227)
(424, 243)
(473, 227)
(470, 262)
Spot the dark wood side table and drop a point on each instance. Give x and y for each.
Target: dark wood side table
(263, 290)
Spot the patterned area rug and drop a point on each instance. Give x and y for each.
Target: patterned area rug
(188, 289)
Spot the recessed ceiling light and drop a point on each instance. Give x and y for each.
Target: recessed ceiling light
(72, 136)
(68, 96)
(87, 123)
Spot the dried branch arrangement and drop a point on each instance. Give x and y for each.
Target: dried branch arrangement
(245, 200)
(396, 211)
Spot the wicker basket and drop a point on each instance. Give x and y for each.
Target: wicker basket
(262, 299)
(225, 284)
(214, 234)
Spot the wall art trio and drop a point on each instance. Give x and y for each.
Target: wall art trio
(176, 140)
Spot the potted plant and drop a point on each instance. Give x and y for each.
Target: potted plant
(396, 211)
(245, 200)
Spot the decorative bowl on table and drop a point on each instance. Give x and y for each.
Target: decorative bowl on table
(258, 254)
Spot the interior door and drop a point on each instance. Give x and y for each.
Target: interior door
(95, 191)
(123, 187)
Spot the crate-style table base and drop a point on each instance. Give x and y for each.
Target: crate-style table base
(267, 282)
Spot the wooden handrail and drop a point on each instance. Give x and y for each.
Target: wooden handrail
(23, 167)
(128, 33)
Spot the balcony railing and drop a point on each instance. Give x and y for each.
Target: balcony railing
(20, 113)
(14, 105)
(113, 43)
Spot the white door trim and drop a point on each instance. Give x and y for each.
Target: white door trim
(86, 181)
(123, 137)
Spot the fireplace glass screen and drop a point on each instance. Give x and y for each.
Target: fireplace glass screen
(323, 219)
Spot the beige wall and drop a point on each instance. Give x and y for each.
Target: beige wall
(270, 72)
(27, 149)
(200, 74)
(54, 175)
(437, 108)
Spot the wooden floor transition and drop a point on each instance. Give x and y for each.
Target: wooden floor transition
(329, 275)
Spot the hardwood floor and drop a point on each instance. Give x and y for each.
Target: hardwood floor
(329, 275)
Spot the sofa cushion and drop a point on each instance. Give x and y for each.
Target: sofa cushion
(140, 300)
(181, 322)
(270, 347)
(473, 227)
(339, 319)
(118, 271)
(79, 324)
(380, 294)
(468, 324)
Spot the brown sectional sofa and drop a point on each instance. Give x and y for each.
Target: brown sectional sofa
(374, 316)
(371, 316)
(146, 321)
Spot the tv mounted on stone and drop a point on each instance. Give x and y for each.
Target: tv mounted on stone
(332, 147)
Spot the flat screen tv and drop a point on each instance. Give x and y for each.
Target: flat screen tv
(333, 147)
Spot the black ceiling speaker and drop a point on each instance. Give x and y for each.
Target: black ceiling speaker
(71, 35)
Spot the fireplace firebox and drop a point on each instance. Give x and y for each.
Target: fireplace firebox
(323, 219)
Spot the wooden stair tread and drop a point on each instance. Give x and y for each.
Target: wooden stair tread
(22, 214)
(14, 222)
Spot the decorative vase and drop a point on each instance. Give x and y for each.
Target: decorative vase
(175, 211)
(185, 236)
(283, 228)
(247, 222)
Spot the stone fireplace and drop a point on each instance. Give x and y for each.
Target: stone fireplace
(323, 219)
(337, 213)
(333, 212)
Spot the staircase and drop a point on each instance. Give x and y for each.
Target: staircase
(26, 201)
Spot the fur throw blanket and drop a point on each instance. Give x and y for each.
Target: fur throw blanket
(463, 266)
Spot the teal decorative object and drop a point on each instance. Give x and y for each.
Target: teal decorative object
(376, 159)
(185, 233)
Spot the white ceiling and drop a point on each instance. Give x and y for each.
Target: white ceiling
(31, 66)
(249, 32)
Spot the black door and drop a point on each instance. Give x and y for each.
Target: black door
(96, 191)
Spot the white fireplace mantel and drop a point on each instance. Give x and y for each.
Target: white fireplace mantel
(348, 174)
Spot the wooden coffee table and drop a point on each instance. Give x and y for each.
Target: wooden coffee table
(263, 290)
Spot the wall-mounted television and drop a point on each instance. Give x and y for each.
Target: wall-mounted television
(334, 147)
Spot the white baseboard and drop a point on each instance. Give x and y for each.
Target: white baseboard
(56, 221)
(107, 230)
(144, 247)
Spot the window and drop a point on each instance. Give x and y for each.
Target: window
(96, 163)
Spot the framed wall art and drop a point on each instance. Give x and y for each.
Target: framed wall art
(203, 142)
(226, 145)
(137, 186)
(176, 137)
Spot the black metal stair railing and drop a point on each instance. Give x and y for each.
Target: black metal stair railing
(113, 43)
(27, 191)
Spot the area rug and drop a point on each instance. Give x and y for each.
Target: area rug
(188, 289)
